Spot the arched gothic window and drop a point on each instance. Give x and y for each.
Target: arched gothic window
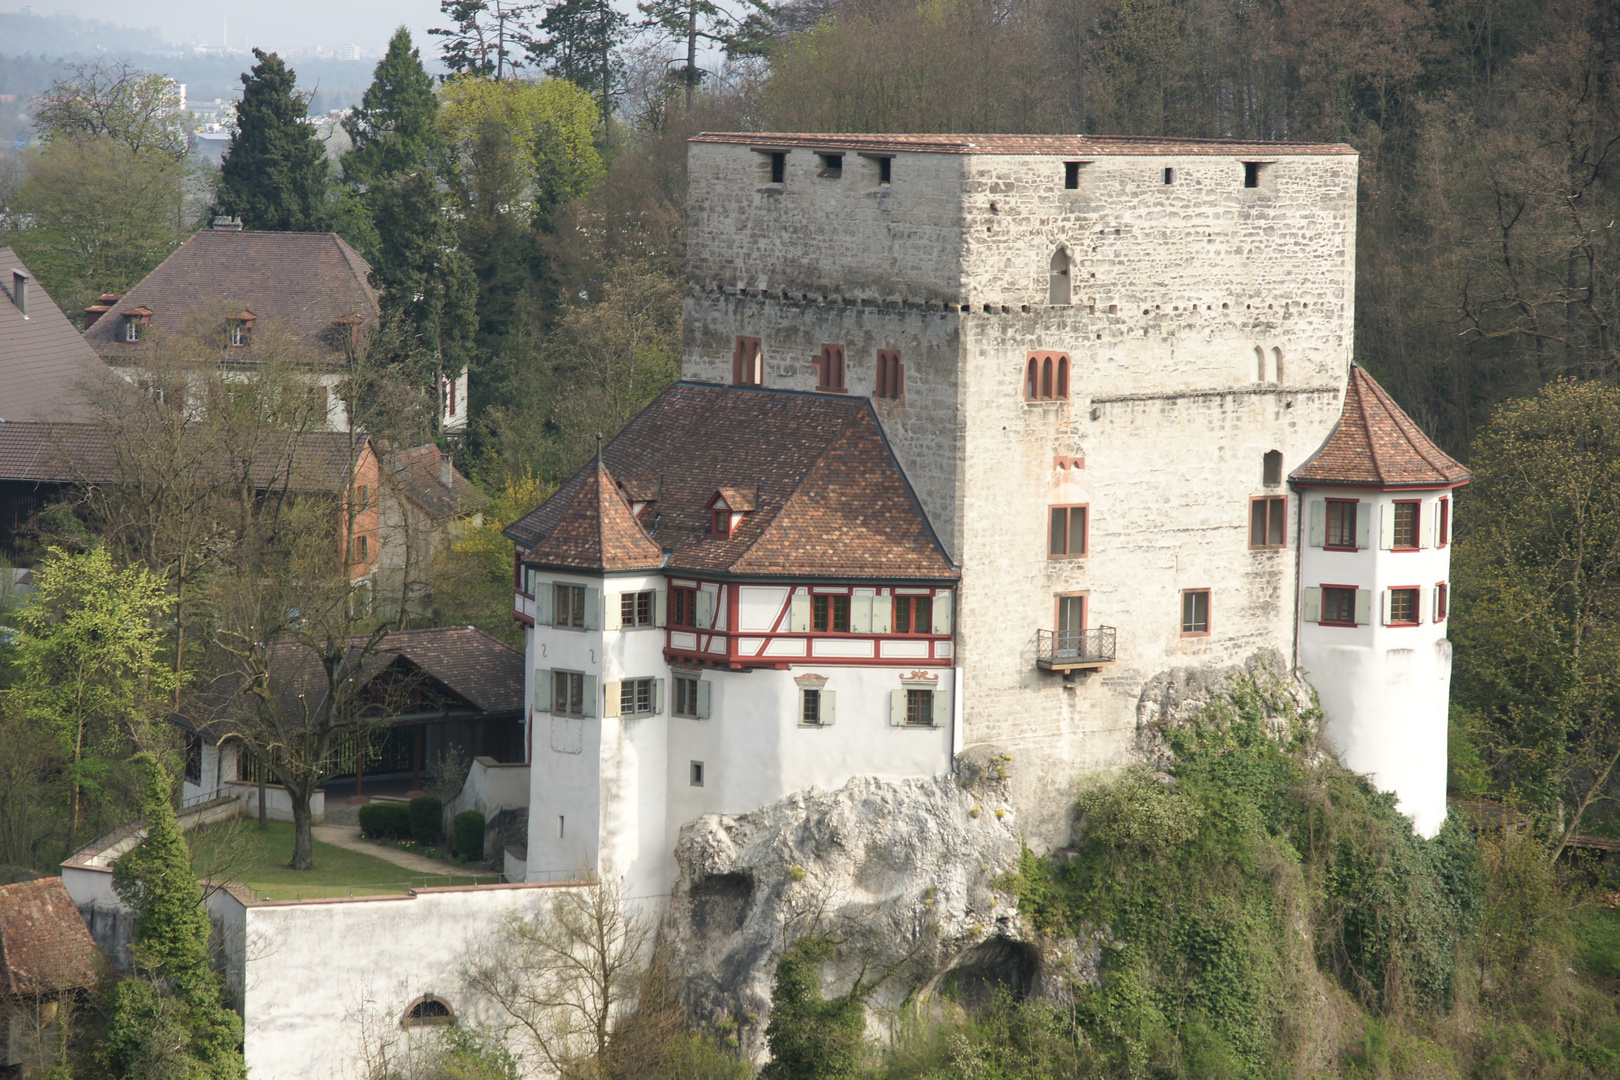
(1259, 364)
(1046, 379)
(1032, 386)
(1276, 365)
(1063, 377)
(1058, 283)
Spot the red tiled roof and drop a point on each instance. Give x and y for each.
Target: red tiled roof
(1035, 145)
(1375, 444)
(46, 369)
(416, 473)
(44, 947)
(299, 283)
(597, 531)
(830, 500)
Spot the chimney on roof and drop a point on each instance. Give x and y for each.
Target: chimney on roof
(226, 223)
(100, 308)
(19, 291)
(447, 471)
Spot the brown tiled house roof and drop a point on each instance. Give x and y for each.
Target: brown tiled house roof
(44, 946)
(829, 498)
(415, 472)
(1375, 444)
(45, 366)
(302, 284)
(1065, 145)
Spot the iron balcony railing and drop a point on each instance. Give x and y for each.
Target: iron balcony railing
(1063, 649)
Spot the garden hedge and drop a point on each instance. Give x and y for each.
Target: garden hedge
(427, 819)
(467, 834)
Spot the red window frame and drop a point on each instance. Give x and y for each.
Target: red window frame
(722, 523)
(1084, 596)
(1443, 533)
(1417, 598)
(1417, 526)
(1046, 377)
(1327, 524)
(1442, 601)
(1281, 503)
(748, 362)
(682, 606)
(1185, 593)
(907, 614)
(1067, 510)
(1323, 620)
(891, 375)
(827, 611)
(829, 365)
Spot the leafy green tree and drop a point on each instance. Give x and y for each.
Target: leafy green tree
(812, 1037)
(114, 98)
(581, 40)
(694, 21)
(101, 215)
(1536, 618)
(170, 1019)
(395, 130)
(274, 175)
(91, 672)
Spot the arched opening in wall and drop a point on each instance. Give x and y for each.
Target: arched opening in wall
(1276, 365)
(995, 967)
(1032, 386)
(428, 1010)
(1046, 378)
(1063, 377)
(1058, 287)
(1271, 473)
(1259, 364)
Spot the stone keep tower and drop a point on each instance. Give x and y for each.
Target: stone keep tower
(1097, 360)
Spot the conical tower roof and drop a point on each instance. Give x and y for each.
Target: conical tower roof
(597, 531)
(1375, 444)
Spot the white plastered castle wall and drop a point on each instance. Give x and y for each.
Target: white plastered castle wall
(1173, 289)
(1384, 689)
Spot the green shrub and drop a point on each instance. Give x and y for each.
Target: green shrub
(427, 819)
(388, 820)
(467, 834)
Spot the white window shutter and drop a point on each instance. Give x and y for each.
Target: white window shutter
(1363, 607)
(1386, 526)
(799, 618)
(704, 688)
(613, 612)
(544, 596)
(1318, 522)
(883, 615)
(705, 610)
(661, 607)
(658, 696)
(942, 701)
(897, 708)
(593, 608)
(1363, 526)
(829, 707)
(1384, 597)
(942, 612)
(1423, 594)
(1426, 523)
(541, 690)
(613, 697)
(1313, 605)
(860, 614)
(591, 701)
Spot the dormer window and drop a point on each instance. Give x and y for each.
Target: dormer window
(639, 493)
(135, 323)
(241, 328)
(726, 509)
(132, 329)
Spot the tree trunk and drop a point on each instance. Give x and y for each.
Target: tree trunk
(303, 850)
(691, 56)
(264, 817)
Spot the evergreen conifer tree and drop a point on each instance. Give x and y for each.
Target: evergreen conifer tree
(395, 129)
(169, 1018)
(275, 170)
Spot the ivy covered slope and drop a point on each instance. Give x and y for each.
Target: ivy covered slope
(1259, 911)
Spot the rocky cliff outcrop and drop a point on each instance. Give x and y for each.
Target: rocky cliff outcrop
(902, 873)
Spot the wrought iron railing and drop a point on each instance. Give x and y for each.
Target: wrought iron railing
(1074, 648)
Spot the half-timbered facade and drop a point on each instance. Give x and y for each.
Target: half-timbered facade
(740, 598)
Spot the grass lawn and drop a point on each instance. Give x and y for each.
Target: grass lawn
(238, 852)
(1597, 942)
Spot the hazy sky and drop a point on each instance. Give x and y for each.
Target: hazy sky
(281, 24)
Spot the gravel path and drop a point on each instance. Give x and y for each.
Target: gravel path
(350, 839)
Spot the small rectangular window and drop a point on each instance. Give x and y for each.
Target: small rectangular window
(1403, 607)
(1266, 518)
(830, 614)
(1442, 528)
(132, 330)
(697, 773)
(568, 605)
(913, 614)
(919, 707)
(1194, 612)
(1341, 524)
(1338, 606)
(562, 826)
(682, 607)
(829, 365)
(689, 697)
(1251, 174)
(1406, 526)
(891, 376)
(778, 168)
(810, 706)
(1169, 175)
(832, 165)
(885, 170)
(1066, 534)
(568, 693)
(1441, 598)
(636, 697)
(636, 609)
(748, 362)
(1071, 175)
